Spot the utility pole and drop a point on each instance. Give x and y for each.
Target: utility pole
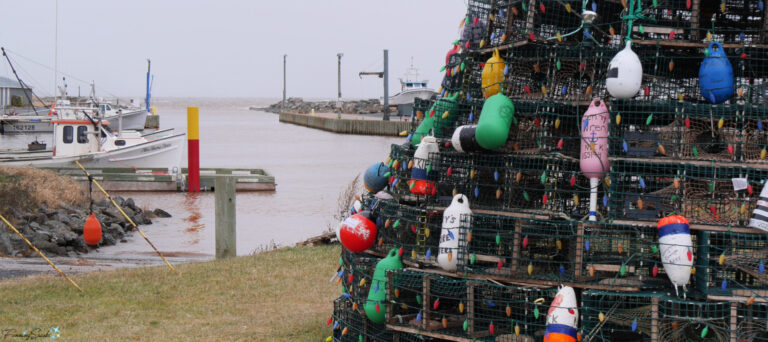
(282, 108)
(386, 85)
(385, 75)
(338, 102)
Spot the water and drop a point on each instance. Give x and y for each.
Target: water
(311, 168)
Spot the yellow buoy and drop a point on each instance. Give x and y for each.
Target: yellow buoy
(403, 133)
(493, 75)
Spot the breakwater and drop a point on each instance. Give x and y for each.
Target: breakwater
(347, 126)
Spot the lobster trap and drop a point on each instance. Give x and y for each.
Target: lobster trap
(517, 248)
(616, 316)
(752, 322)
(415, 229)
(351, 325)
(462, 310)
(357, 276)
(733, 265)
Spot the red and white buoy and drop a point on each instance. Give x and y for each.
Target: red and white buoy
(357, 233)
(562, 317)
(676, 249)
(422, 182)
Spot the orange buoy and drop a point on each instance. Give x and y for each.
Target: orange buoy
(92, 230)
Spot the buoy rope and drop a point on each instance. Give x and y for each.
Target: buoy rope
(40, 253)
(93, 181)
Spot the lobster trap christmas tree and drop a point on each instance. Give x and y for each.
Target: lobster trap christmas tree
(590, 170)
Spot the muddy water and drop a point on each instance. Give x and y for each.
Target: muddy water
(311, 168)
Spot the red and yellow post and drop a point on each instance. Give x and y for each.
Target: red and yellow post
(193, 149)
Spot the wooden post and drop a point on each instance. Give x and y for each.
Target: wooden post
(516, 252)
(733, 322)
(695, 19)
(226, 232)
(654, 319)
(426, 302)
(578, 253)
(470, 308)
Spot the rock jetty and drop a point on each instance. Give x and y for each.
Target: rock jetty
(59, 231)
(297, 105)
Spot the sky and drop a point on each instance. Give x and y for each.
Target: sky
(226, 48)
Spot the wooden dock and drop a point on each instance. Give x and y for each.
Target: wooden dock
(347, 126)
(156, 179)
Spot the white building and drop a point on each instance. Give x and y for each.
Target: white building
(10, 89)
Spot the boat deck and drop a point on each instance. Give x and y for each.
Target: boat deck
(157, 179)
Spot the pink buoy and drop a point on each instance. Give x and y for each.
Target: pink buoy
(594, 149)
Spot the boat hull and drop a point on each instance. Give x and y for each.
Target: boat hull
(134, 120)
(160, 153)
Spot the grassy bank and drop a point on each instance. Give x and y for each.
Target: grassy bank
(26, 188)
(282, 295)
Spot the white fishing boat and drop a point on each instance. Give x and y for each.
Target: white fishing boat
(77, 136)
(411, 88)
(133, 118)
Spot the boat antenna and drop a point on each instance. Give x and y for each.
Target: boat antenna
(149, 84)
(21, 83)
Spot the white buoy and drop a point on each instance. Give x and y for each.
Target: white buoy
(447, 256)
(625, 74)
(676, 249)
(759, 218)
(563, 317)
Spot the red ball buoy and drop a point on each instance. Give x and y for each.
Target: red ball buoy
(358, 232)
(92, 230)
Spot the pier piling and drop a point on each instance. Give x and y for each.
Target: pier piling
(193, 149)
(226, 232)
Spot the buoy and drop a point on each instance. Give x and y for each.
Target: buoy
(374, 179)
(422, 179)
(676, 249)
(449, 234)
(716, 75)
(372, 307)
(562, 317)
(464, 140)
(493, 126)
(759, 218)
(625, 74)
(358, 232)
(92, 230)
(493, 75)
(594, 161)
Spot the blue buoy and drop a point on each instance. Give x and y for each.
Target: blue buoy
(716, 75)
(594, 7)
(374, 179)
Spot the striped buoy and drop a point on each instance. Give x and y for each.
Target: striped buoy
(759, 218)
(562, 317)
(676, 249)
(463, 139)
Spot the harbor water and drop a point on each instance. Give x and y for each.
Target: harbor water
(311, 169)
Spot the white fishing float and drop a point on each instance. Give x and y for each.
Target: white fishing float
(563, 317)
(676, 249)
(449, 234)
(625, 74)
(422, 182)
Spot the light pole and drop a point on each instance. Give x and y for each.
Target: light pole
(338, 101)
(282, 107)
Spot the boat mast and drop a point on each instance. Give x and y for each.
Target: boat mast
(149, 86)
(56, 53)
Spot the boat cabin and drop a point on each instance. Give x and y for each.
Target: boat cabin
(74, 137)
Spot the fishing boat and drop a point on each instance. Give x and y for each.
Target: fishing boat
(80, 136)
(411, 88)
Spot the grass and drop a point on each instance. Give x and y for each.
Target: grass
(25, 187)
(281, 295)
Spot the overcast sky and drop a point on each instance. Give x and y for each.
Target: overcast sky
(227, 48)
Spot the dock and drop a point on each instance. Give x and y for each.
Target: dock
(347, 126)
(157, 179)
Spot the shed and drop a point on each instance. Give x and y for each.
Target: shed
(12, 93)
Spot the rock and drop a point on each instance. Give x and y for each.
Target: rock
(129, 203)
(34, 226)
(56, 225)
(161, 213)
(116, 231)
(107, 240)
(76, 225)
(113, 213)
(119, 200)
(128, 211)
(63, 218)
(6, 247)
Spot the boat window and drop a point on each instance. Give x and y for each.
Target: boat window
(69, 134)
(120, 142)
(82, 138)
